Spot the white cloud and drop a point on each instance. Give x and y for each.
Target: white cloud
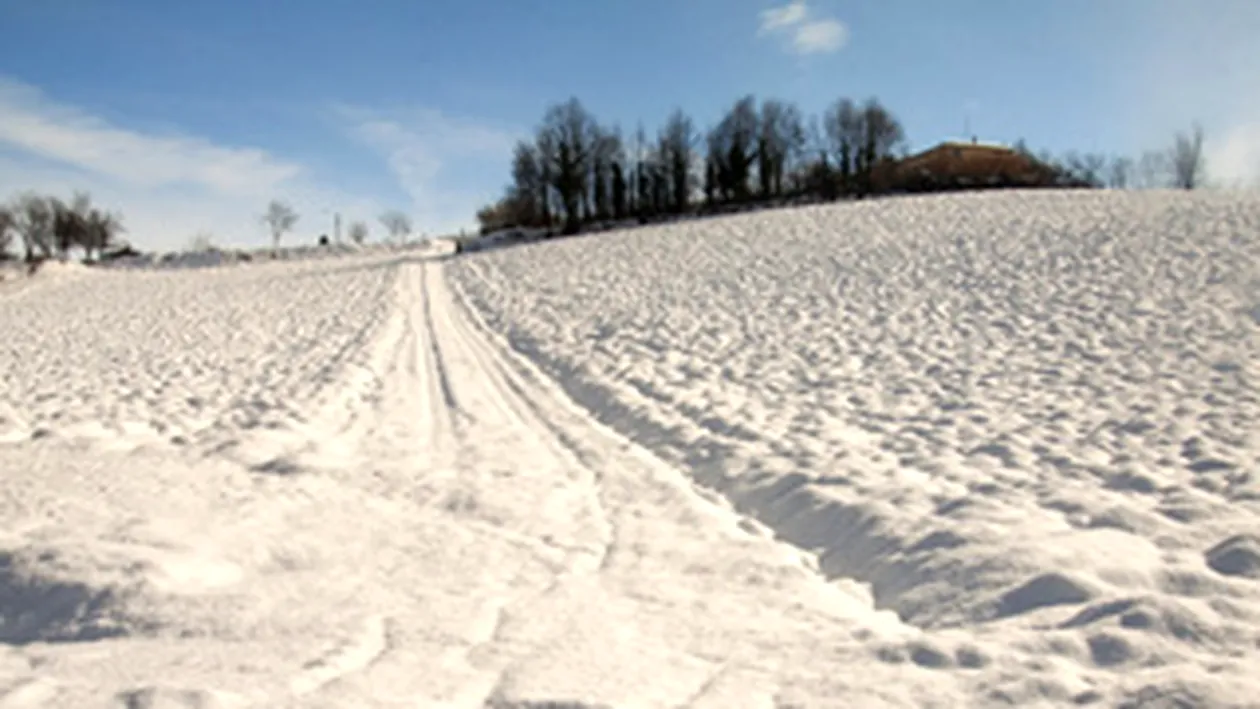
(171, 187)
(804, 30)
(820, 36)
(1233, 160)
(777, 18)
(38, 126)
(1183, 66)
(425, 150)
(168, 217)
(167, 187)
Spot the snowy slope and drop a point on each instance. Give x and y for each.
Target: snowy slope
(321, 485)
(942, 452)
(1028, 422)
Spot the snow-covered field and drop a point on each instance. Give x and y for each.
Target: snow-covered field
(1029, 422)
(987, 450)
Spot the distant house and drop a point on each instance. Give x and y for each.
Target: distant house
(959, 165)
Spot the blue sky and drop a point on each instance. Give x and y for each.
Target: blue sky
(190, 116)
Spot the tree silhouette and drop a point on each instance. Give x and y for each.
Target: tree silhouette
(280, 219)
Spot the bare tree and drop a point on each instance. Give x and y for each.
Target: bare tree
(565, 142)
(816, 174)
(280, 219)
(201, 242)
(1120, 173)
(646, 167)
(780, 141)
(1152, 170)
(358, 232)
(1086, 169)
(68, 227)
(605, 152)
(502, 214)
(620, 186)
(637, 182)
(529, 186)
(882, 136)
(397, 224)
(34, 222)
(844, 126)
(96, 229)
(733, 149)
(7, 222)
(78, 224)
(676, 149)
(101, 231)
(1186, 158)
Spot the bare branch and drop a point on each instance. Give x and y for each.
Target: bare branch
(279, 218)
(397, 224)
(358, 232)
(33, 216)
(1186, 157)
(7, 222)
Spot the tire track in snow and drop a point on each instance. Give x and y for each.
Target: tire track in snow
(510, 399)
(411, 418)
(432, 437)
(509, 535)
(626, 480)
(355, 654)
(439, 369)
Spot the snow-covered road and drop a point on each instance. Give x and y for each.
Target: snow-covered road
(440, 528)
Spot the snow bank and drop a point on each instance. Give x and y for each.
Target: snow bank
(499, 239)
(1031, 418)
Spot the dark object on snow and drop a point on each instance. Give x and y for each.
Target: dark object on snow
(124, 251)
(323, 239)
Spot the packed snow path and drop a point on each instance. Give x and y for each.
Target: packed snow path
(443, 530)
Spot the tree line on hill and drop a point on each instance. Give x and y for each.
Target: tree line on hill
(49, 227)
(576, 171)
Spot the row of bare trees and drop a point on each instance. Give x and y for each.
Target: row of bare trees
(576, 170)
(1182, 165)
(46, 227)
(49, 227)
(280, 218)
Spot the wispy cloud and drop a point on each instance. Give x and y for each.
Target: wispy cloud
(168, 187)
(803, 29)
(1233, 159)
(37, 125)
(430, 154)
(778, 18)
(1183, 66)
